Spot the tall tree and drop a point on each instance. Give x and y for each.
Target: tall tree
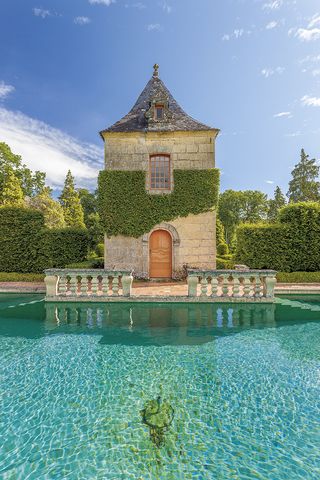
(11, 194)
(88, 201)
(304, 186)
(51, 209)
(70, 201)
(278, 201)
(31, 183)
(236, 207)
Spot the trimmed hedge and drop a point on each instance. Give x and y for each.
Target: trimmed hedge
(126, 208)
(224, 263)
(67, 245)
(298, 277)
(27, 246)
(23, 241)
(292, 245)
(21, 277)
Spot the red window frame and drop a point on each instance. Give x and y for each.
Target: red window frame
(155, 173)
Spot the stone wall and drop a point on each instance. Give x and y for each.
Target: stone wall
(196, 244)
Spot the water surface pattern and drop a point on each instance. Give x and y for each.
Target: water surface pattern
(243, 381)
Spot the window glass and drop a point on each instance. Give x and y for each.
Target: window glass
(160, 172)
(159, 112)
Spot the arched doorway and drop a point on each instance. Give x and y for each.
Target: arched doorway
(160, 254)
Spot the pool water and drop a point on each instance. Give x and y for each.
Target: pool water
(243, 382)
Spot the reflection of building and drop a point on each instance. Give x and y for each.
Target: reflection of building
(158, 138)
(179, 324)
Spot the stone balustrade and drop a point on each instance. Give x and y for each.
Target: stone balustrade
(66, 284)
(232, 285)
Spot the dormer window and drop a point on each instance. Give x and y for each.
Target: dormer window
(159, 111)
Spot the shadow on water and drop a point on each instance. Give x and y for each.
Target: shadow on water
(149, 324)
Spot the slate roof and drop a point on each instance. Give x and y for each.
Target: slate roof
(136, 120)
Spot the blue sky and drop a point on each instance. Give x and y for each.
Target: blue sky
(249, 67)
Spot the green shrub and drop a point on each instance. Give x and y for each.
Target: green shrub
(27, 246)
(80, 265)
(100, 249)
(98, 262)
(23, 245)
(222, 249)
(298, 277)
(67, 246)
(224, 264)
(126, 208)
(290, 246)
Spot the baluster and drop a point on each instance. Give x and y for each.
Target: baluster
(214, 287)
(105, 285)
(115, 286)
(94, 284)
(225, 286)
(204, 286)
(246, 287)
(270, 284)
(84, 285)
(63, 285)
(236, 287)
(73, 284)
(257, 287)
(236, 315)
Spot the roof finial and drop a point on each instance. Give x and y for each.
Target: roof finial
(156, 70)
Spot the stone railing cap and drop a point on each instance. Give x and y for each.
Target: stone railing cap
(232, 272)
(86, 271)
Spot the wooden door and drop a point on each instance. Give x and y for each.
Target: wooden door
(160, 258)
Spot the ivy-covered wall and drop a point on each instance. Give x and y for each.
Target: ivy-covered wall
(126, 208)
(292, 245)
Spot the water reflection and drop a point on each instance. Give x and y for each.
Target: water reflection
(143, 324)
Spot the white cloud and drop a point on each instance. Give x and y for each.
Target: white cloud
(316, 72)
(226, 37)
(282, 114)
(5, 90)
(45, 148)
(308, 101)
(81, 20)
(270, 182)
(40, 12)
(268, 72)
(273, 5)
(294, 134)
(311, 59)
(306, 35)
(271, 25)
(315, 21)
(166, 7)
(154, 27)
(237, 33)
(102, 2)
(138, 5)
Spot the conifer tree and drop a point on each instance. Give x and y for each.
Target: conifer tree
(304, 186)
(275, 204)
(70, 201)
(11, 194)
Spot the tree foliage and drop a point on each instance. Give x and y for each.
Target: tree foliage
(275, 204)
(30, 183)
(236, 207)
(11, 194)
(70, 201)
(51, 209)
(304, 186)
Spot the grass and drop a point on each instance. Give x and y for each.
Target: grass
(21, 277)
(298, 277)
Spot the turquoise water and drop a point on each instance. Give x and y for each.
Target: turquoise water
(243, 381)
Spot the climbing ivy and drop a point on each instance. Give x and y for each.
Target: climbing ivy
(126, 208)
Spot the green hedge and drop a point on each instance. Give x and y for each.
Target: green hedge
(67, 245)
(21, 277)
(290, 246)
(126, 208)
(224, 263)
(27, 246)
(23, 241)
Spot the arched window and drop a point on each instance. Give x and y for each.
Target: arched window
(160, 172)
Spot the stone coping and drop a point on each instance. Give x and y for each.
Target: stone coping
(86, 271)
(231, 272)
